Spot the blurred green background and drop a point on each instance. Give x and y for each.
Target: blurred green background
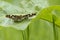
(37, 30)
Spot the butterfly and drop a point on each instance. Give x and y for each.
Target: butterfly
(19, 18)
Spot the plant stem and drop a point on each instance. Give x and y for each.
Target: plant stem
(25, 34)
(28, 33)
(54, 28)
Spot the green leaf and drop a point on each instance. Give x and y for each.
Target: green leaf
(7, 9)
(43, 25)
(47, 13)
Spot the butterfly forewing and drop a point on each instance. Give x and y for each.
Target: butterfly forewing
(18, 18)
